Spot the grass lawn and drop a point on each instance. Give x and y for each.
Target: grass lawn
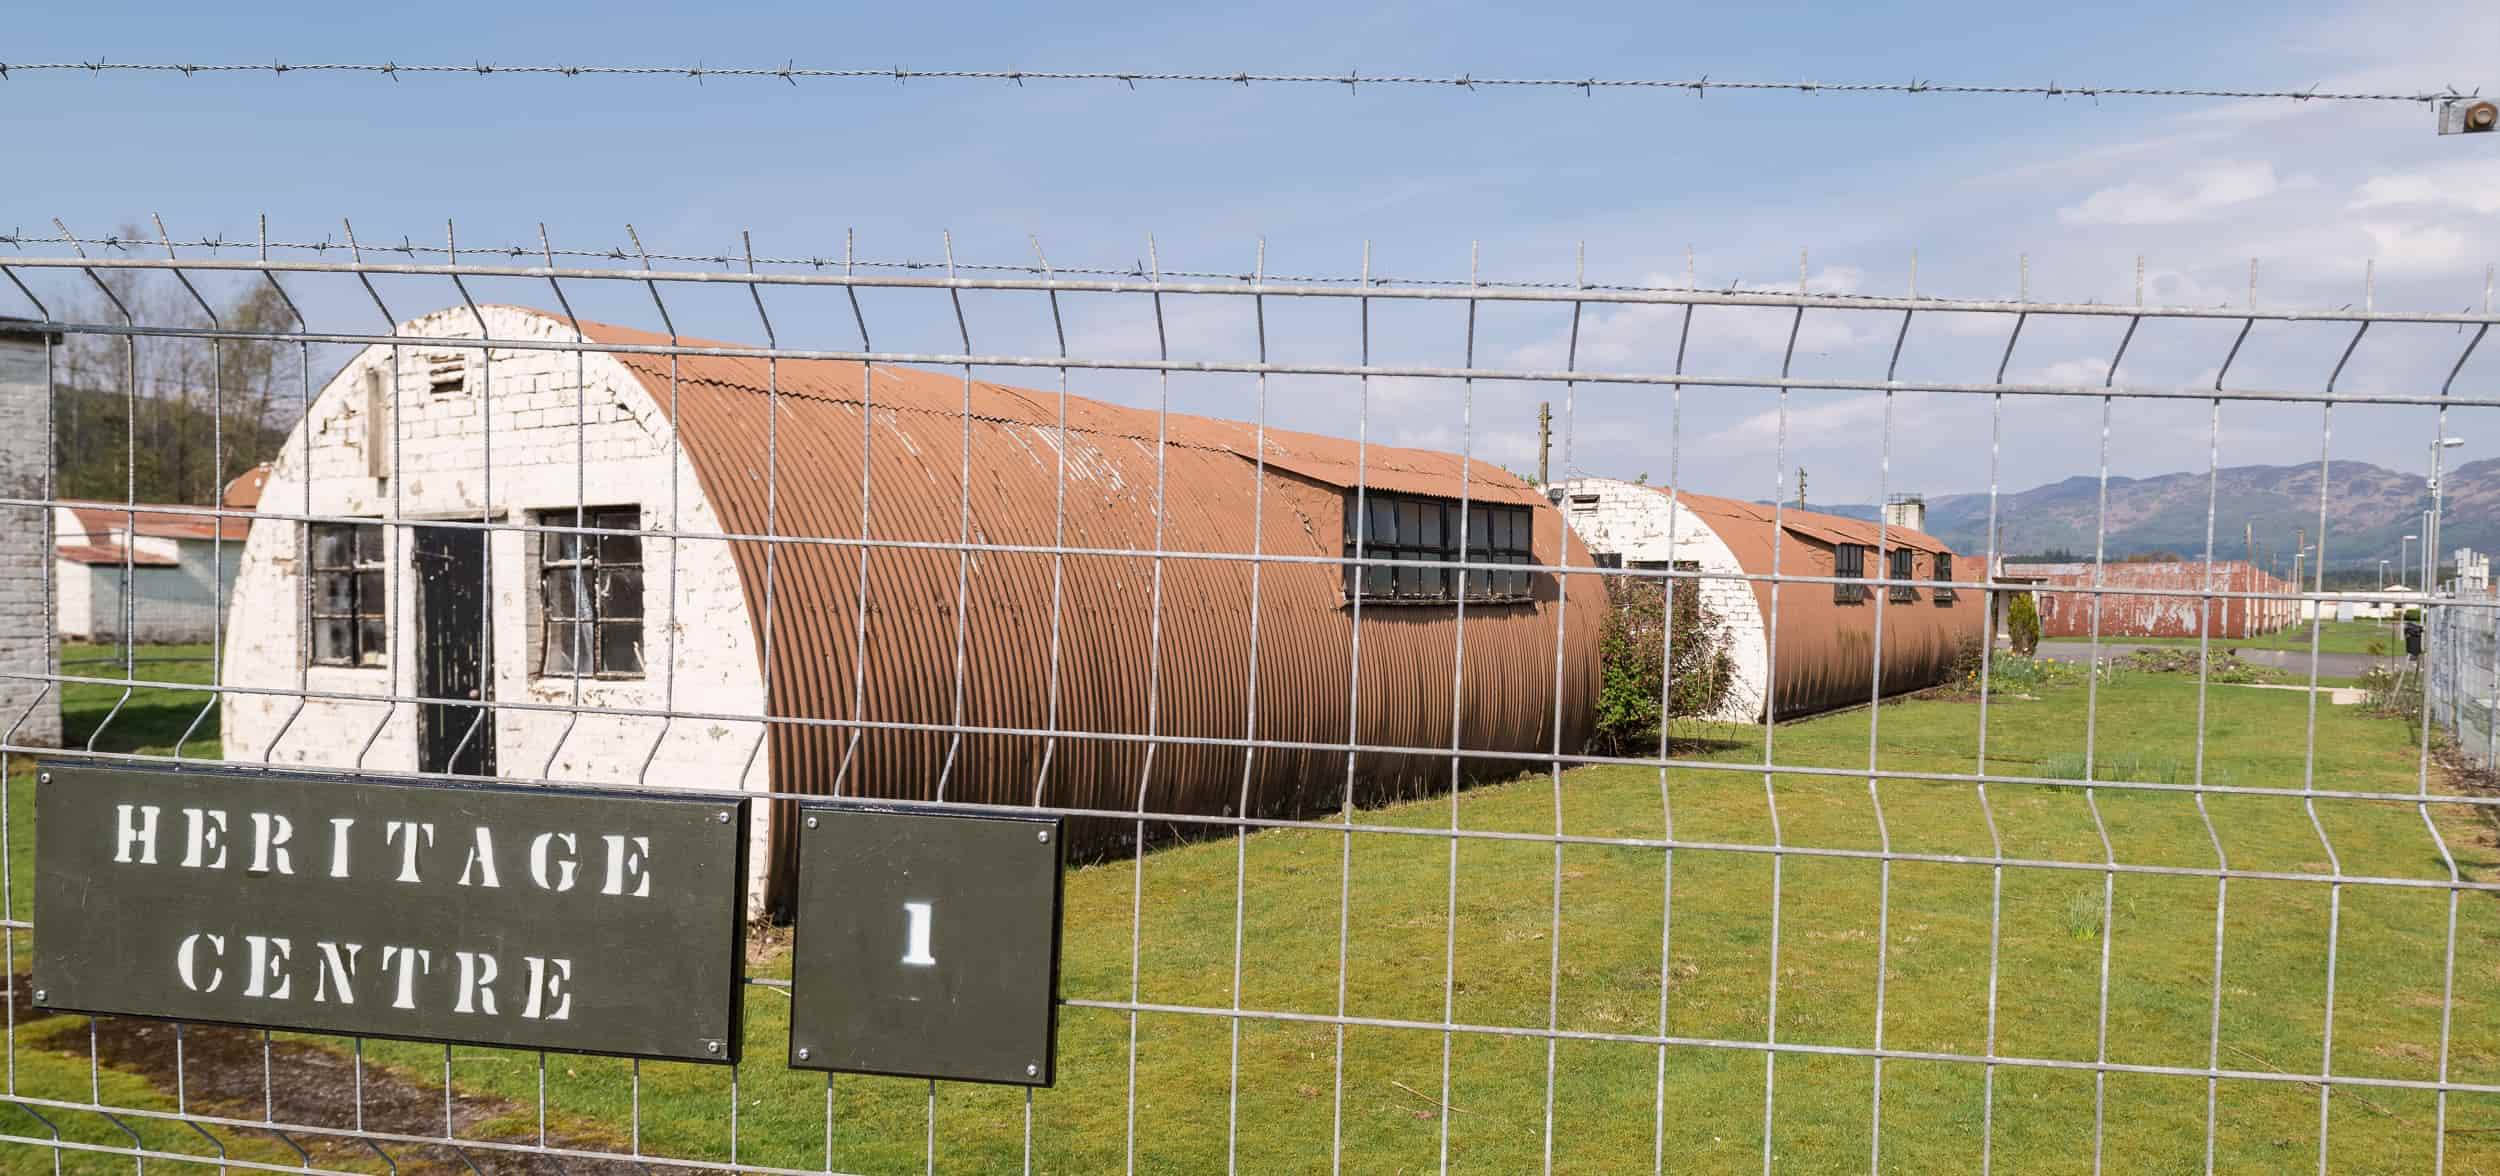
(1270, 1089)
(2372, 637)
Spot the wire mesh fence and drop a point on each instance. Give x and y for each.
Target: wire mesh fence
(1383, 865)
(2463, 670)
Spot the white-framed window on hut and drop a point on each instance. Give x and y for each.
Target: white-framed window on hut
(1404, 529)
(350, 600)
(589, 604)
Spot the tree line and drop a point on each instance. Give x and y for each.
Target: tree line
(164, 419)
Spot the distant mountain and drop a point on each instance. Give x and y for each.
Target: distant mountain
(2368, 511)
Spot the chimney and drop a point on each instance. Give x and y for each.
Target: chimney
(1907, 512)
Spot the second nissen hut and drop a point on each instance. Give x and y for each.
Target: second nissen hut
(1825, 650)
(798, 541)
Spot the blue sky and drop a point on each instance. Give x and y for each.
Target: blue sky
(1746, 180)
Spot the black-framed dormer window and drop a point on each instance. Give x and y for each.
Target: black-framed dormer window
(1849, 563)
(1402, 529)
(1904, 567)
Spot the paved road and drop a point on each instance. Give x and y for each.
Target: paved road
(2330, 665)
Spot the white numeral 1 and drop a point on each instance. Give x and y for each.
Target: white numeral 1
(916, 953)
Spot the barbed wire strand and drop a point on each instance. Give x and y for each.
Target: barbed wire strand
(1351, 79)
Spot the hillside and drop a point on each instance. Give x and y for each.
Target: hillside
(2369, 509)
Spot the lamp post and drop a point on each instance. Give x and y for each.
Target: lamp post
(2430, 533)
(2404, 554)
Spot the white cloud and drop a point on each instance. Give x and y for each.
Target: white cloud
(2468, 187)
(2076, 372)
(1820, 424)
(2419, 248)
(2200, 193)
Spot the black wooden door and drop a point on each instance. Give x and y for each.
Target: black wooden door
(454, 652)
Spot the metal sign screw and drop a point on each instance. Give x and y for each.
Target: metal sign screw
(1032, 1069)
(711, 1047)
(811, 822)
(1042, 835)
(43, 777)
(724, 816)
(802, 1053)
(38, 996)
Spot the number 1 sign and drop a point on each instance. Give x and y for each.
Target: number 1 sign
(928, 944)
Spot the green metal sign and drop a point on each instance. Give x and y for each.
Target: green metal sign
(534, 918)
(928, 944)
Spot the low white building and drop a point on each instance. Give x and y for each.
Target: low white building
(2383, 604)
(159, 575)
(30, 713)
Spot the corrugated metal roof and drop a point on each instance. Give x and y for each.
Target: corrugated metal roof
(913, 445)
(243, 493)
(112, 553)
(100, 519)
(1826, 653)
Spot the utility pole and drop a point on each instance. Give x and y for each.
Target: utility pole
(1544, 437)
(1801, 487)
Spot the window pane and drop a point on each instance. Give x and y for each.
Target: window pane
(333, 594)
(620, 594)
(560, 649)
(621, 549)
(1517, 583)
(1479, 526)
(332, 641)
(1408, 581)
(558, 547)
(370, 540)
(1384, 520)
(1436, 582)
(331, 546)
(369, 597)
(559, 593)
(1376, 581)
(620, 649)
(1410, 523)
(1431, 534)
(371, 641)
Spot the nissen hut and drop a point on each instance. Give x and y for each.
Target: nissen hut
(1826, 648)
(744, 595)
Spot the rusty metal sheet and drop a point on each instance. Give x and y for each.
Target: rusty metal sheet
(511, 916)
(2122, 614)
(899, 435)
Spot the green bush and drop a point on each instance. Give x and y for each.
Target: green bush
(2022, 623)
(1633, 650)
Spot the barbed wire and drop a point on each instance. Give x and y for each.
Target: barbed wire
(792, 73)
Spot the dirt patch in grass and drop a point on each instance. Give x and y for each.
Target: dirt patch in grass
(225, 1072)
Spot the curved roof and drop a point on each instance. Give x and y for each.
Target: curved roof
(1065, 642)
(1826, 653)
